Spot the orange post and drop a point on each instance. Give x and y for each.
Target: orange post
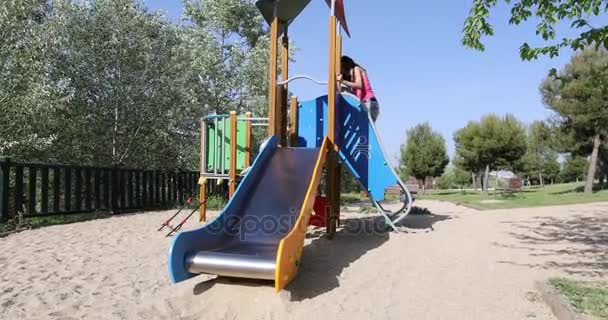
(338, 172)
(282, 121)
(202, 181)
(293, 113)
(332, 159)
(272, 74)
(202, 198)
(232, 171)
(247, 140)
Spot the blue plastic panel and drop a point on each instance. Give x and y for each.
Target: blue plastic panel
(360, 147)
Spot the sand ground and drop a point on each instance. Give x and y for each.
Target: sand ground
(457, 263)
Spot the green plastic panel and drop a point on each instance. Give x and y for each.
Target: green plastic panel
(214, 148)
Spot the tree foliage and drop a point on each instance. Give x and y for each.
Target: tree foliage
(579, 97)
(574, 169)
(424, 153)
(454, 177)
(490, 144)
(107, 82)
(549, 14)
(539, 162)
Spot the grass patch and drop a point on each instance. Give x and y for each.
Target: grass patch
(586, 297)
(216, 202)
(350, 199)
(558, 194)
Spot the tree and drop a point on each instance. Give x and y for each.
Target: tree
(446, 180)
(603, 166)
(107, 82)
(27, 97)
(579, 97)
(574, 169)
(455, 177)
(551, 167)
(462, 178)
(491, 144)
(549, 13)
(424, 154)
(534, 164)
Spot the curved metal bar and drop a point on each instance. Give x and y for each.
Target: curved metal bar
(321, 83)
(407, 206)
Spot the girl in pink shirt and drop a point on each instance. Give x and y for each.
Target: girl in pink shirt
(355, 77)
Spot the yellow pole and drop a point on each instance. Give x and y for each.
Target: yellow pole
(284, 90)
(338, 172)
(272, 74)
(247, 140)
(202, 181)
(203, 198)
(331, 130)
(293, 135)
(232, 171)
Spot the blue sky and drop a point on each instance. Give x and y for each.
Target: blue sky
(418, 68)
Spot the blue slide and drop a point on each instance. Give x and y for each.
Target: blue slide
(361, 149)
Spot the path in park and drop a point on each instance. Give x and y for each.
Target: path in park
(455, 264)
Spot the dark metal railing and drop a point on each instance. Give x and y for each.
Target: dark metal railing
(35, 189)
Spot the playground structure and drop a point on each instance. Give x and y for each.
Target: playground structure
(260, 233)
(221, 159)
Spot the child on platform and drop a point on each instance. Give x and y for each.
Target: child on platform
(355, 77)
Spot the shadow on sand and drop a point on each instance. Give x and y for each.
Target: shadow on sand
(583, 240)
(323, 260)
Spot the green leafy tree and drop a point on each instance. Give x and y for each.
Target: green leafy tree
(551, 167)
(534, 163)
(108, 82)
(454, 177)
(446, 180)
(491, 144)
(579, 97)
(549, 14)
(574, 169)
(424, 154)
(28, 97)
(462, 178)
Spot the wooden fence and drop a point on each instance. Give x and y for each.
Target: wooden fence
(42, 189)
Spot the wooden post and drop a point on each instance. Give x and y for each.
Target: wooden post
(283, 92)
(338, 172)
(247, 140)
(232, 171)
(202, 181)
(332, 193)
(272, 74)
(18, 202)
(203, 200)
(338, 177)
(203, 146)
(56, 189)
(31, 186)
(293, 135)
(44, 190)
(4, 189)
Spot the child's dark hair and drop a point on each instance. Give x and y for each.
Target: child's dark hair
(348, 63)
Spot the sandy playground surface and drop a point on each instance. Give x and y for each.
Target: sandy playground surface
(455, 264)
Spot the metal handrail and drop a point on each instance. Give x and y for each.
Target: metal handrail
(322, 83)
